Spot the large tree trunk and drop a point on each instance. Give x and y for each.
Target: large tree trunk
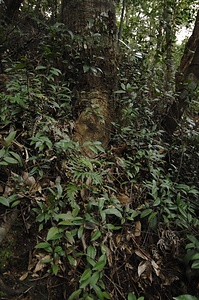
(187, 80)
(9, 9)
(94, 22)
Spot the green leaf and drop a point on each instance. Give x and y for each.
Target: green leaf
(85, 278)
(100, 264)
(75, 295)
(70, 237)
(132, 296)
(55, 71)
(51, 233)
(90, 261)
(113, 211)
(195, 264)
(44, 245)
(72, 261)
(4, 201)
(86, 68)
(80, 232)
(15, 203)
(91, 251)
(10, 160)
(146, 212)
(94, 278)
(8, 140)
(2, 152)
(55, 269)
(18, 158)
(195, 256)
(106, 295)
(86, 274)
(185, 297)
(40, 68)
(96, 235)
(99, 292)
(3, 163)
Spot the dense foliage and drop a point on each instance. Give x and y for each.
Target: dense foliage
(122, 224)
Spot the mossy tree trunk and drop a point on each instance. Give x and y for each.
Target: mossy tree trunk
(187, 79)
(94, 25)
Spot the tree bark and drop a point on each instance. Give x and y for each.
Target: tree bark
(95, 25)
(187, 79)
(11, 8)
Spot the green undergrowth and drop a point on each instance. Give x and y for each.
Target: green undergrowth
(121, 216)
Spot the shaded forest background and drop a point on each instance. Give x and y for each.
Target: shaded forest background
(99, 150)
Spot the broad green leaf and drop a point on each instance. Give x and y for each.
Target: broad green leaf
(86, 274)
(94, 278)
(69, 237)
(51, 233)
(98, 291)
(55, 71)
(132, 296)
(85, 278)
(195, 256)
(44, 245)
(80, 232)
(3, 163)
(55, 269)
(100, 264)
(8, 140)
(113, 211)
(106, 296)
(146, 212)
(95, 236)
(91, 251)
(15, 203)
(75, 295)
(185, 297)
(2, 152)
(10, 160)
(195, 264)
(90, 261)
(4, 201)
(17, 157)
(66, 223)
(72, 261)
(40, 68)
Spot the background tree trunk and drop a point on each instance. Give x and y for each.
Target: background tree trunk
(94, 22)
(187, 80)
(11, 8)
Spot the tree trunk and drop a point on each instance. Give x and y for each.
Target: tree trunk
(187, 80)
(11, 8)
(94, 24)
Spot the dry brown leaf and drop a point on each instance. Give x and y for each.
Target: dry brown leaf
(84, 194)
(155, 267)
(28, 180)
(138, 226)
(129, 266)
(36, 188)
(118, 239)
(124, 199)
(145, 267)
(24, 276)
(142, 267)
(141, 254)
(40, 265)
(8, 191)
